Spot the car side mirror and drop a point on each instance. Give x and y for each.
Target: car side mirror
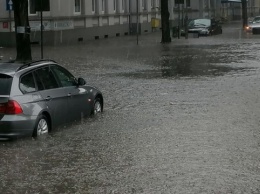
(81, 81)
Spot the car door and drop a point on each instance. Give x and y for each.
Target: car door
(54, 95)
(78, 96)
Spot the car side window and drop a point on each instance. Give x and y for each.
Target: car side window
(66, 78)
(27, 83)
(47, 78)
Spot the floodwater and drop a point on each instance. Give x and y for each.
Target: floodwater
(179, 118)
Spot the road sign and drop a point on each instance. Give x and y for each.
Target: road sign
(9, 5)
(42, 5)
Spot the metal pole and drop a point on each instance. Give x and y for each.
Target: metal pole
(130, 17)
(182, 14)
(41, 38)
(179, 15)
(41, 33)
(10, 19)
(186, 23)
(137, 21)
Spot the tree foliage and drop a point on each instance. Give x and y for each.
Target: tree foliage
(23, 46)
(166, 37)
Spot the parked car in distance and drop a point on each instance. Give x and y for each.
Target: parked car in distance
(254, 25)
(38, 96)
(204, 27)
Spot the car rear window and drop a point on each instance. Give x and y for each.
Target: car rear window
(27, 83)
(5, 84)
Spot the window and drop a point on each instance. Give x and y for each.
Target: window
(152, 3)
(5, 84)
(47, 78)
(114, 5)
(144, 4)
(103, 5)
(93, 6)
(158, 3)
(123, 5)
(31, 8)
(206, 4)
(66, 78)
(187, 3)
(77, 6)
(27, 83)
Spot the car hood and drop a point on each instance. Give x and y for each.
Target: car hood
(252, 25)
(198, 27)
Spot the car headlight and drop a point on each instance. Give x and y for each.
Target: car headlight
(205, 30)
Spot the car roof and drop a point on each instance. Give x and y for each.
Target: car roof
(11, 67)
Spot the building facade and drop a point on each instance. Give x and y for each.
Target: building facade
(220, 9)
(71, 21)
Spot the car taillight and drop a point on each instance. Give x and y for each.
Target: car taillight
(11, 107)
(2, 108)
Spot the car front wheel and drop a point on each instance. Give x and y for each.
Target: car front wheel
(97, 106)
(42, 126)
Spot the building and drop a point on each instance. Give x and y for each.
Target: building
(220, 9)
(71, 21)
(231, 9)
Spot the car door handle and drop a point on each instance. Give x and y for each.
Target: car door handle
(69, 94)
(48, 98)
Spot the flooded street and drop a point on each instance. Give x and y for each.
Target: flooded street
(178, 118)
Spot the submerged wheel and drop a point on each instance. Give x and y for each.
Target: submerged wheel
(97, 106)
(42, 126)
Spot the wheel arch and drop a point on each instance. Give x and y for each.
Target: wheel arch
(48, 116)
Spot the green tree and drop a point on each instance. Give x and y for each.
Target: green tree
(166, 36)
(23, 46)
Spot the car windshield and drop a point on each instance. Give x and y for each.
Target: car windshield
(256, 20)
(5, 84)
(199, 22)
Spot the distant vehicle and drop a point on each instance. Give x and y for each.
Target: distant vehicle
(38, 96)
(204, 27)
(254, 26)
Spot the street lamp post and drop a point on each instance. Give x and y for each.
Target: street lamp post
(179, 20)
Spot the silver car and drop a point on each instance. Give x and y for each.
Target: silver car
(38, 96)
(254, 25)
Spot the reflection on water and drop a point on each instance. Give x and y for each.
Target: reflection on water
(188, 67)
(193, 62)
(185, 67)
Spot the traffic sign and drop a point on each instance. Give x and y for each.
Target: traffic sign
(9, 5)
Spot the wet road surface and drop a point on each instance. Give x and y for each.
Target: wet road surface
(179, 118)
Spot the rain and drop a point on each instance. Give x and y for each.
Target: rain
(178, 118)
